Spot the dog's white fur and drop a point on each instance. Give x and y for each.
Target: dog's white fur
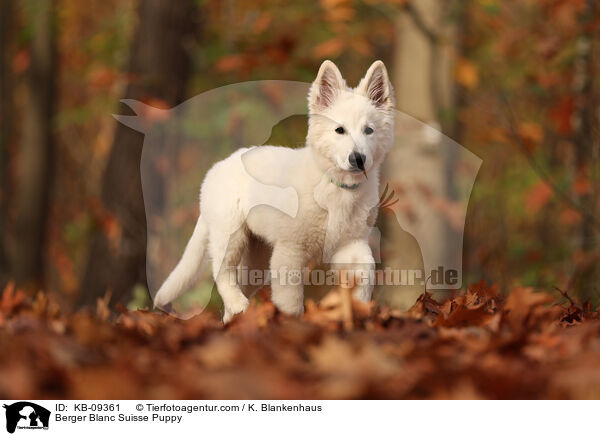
(332, 222)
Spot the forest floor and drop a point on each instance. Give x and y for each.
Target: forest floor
(478, 344)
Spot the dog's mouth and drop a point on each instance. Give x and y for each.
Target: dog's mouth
(356, 171)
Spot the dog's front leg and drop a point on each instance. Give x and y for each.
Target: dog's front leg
(287, 290)
(356, 258)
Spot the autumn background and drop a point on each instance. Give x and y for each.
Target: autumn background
(515, 82)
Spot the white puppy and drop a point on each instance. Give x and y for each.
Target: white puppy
(335, 177)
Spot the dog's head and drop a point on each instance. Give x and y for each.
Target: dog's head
(350, 130)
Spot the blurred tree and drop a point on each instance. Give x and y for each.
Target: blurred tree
(159, 68)
(427, 50)
(587, 145)
(6, 110)
(35, 155)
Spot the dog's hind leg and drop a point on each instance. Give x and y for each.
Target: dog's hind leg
(226, 252)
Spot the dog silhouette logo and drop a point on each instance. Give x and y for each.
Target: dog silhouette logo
(26, 415)
(429, 178)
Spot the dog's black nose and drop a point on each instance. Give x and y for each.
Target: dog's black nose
(357, 160)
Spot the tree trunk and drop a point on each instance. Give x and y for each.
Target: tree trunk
(423, 80)
(159, 66)
(6, 110)
(587, 146)
(35, 155)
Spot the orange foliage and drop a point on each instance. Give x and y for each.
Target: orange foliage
(477, 344)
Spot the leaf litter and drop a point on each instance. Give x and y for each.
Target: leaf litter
(477, 344)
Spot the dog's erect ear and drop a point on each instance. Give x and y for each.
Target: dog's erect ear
(325, 88)
(377, 87)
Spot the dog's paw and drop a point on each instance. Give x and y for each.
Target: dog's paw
(231, 309)
(297, 311)
(290, 305)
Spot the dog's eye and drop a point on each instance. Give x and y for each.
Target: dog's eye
(340, 130)
(368, 130)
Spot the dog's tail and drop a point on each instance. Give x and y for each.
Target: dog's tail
(187, 271)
